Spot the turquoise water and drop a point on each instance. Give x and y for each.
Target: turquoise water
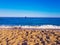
(29, 21)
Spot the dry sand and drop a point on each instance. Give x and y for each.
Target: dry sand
(30, 36)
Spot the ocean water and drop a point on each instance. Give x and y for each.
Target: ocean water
(29, 21)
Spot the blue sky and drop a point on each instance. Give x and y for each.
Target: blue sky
(30, 8)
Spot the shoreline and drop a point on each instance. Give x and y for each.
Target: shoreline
(31, 27)
(20, 28)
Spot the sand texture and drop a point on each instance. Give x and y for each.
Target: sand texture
(29, 37)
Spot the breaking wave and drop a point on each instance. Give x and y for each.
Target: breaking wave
(27, 26)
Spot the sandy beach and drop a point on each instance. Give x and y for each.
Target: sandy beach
(29, 22)
(24, 36)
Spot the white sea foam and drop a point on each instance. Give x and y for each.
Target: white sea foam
(37, 27)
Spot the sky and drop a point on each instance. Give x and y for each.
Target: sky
(30, 8)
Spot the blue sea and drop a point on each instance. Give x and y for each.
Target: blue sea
(31, 21)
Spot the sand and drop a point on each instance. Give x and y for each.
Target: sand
(24, 36)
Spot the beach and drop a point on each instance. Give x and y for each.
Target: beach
(29, 36)
(29, 22)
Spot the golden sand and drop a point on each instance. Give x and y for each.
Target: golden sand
(29, 37)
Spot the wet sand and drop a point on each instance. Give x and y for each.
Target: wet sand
(24, 36)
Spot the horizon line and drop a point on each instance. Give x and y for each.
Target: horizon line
(29, 17)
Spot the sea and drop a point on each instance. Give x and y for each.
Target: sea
(31, 21)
